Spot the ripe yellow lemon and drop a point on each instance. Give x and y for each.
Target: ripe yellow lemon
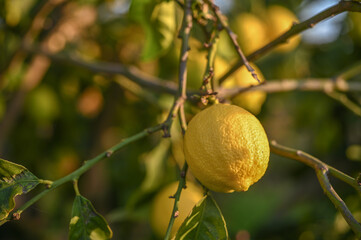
(226, 148)
(250, 100)
(251, 32)
(279, 20)
(162, 207)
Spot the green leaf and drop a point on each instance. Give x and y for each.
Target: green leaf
(205, 222)
(139, 10)
(14, 180)
(86, 223)
(159, 24)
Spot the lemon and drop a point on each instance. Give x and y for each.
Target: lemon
(162, 207)
(250, 100)
(226, 148)
(279, 20)
(251, 32)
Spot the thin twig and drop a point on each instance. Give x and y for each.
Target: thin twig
(182, 119)
(222, 20)
(344, 100)
(76, 187)
(208, 84)
(185, 34)
(350, 72)
(177, 104)
(286, 85)
(322, 170)
(336, 9)
(198, 21)
(185, 31)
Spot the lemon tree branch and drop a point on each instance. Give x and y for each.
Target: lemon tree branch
(286, 85)
(353, 70)
(343, 99)
(322, 170)
(223, 21)
(297, 28)
(130, 72)
(86, 166)
(185, 31)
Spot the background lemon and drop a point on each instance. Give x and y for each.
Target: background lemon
(251, 100)
(197, 65)
(251, 32)
(163, 206)
(279, 20)
(226, 148)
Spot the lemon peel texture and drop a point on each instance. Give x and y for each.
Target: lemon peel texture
(226, 148)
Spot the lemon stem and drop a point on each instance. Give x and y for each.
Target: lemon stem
(76, 187)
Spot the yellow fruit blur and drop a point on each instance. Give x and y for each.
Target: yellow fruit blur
(163, 206)
(250, 100)
(225, 47)
(226, 148)
(355, 32)
(251, 32)
(197, 65)
(279, 20)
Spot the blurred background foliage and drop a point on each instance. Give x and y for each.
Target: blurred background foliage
(56, 115)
